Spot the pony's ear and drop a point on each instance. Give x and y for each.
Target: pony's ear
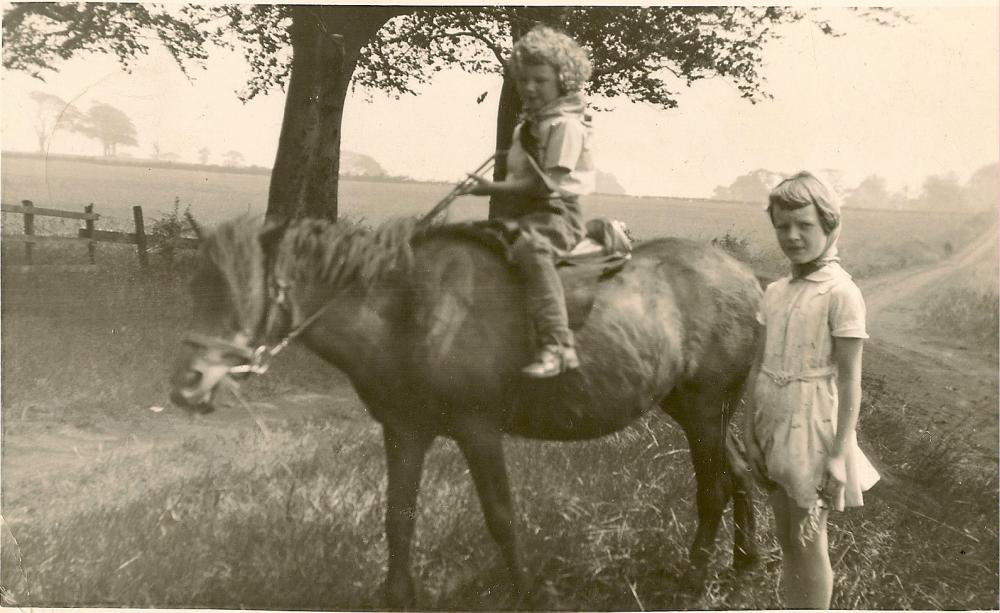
(270, 235)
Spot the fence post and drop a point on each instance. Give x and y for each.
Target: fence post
(140, 236)
(92, 245)
(29, 230)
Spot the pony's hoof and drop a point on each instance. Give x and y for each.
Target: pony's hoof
(694, 579)
(523, 587)
(400, 595)
(745, 562)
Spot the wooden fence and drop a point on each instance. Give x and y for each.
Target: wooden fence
(88, 235)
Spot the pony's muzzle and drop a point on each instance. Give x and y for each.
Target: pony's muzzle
(194, 386)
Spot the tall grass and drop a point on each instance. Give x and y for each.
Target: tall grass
(971, 315)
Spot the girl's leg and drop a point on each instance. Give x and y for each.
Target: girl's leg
(815, 575)
(534, 256)
(807, 578)
(785, 532)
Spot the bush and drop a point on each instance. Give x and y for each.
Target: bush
(736, 246)
(167, 233)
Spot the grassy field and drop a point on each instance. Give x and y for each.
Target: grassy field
(219, 513)
(873, 240)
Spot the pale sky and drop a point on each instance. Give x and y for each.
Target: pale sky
(903, 102)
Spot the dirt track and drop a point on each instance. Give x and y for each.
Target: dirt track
(950, 389)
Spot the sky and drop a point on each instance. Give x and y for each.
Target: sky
(905, 102)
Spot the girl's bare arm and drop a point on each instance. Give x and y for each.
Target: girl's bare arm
(847, 357)
(748, 396)
(524, 186)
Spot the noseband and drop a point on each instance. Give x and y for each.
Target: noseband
(257, 360)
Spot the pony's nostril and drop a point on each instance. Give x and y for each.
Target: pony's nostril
(191, 378)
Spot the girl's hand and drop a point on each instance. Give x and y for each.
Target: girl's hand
(477, 186)
(834, 478)
(755, 457)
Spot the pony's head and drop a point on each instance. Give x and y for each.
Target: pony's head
(249, 285)
(230, 310)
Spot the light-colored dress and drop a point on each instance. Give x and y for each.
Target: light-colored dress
(796, 407)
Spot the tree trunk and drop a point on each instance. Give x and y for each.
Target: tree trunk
(507, 111)
(326, 44)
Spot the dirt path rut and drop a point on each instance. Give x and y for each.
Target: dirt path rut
(950, 389)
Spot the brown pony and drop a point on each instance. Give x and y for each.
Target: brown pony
(429, 326)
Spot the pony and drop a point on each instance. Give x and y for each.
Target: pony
(429, 325)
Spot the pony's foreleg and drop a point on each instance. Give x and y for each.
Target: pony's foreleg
(482, 446)
(404, 453)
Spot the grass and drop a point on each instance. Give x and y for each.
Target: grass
(219, 514)
(965, 307)
(293, 520)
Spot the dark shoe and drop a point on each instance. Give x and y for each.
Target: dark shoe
(551, 361)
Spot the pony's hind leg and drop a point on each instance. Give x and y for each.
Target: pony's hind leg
(704, 424)
(744, 521)
(482, 445)
(404, 453)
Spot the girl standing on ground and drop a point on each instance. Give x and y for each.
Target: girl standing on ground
(549, 167)
(806, 388)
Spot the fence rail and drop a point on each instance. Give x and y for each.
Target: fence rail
(89, 235)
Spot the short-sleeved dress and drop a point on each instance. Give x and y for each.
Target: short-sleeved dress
(795, 417)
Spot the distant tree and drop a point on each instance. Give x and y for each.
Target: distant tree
(233, 158)
(109, 125)
(359, 165)
(982, 190)
(607, 183)
(751, 187)
(52, 113)
(833, 178)
(871, 193)
(942, 192)
(156, 150)
(204, 154)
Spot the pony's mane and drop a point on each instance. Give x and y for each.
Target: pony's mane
(234, 249)
(346, 254)
(342, 254)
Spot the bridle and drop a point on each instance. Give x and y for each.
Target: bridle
(256, 359)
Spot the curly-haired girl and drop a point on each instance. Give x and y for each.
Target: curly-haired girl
(549, 167)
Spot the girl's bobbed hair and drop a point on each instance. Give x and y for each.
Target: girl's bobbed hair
(804, 189)
(545, 45)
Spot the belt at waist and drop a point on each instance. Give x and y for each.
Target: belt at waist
(784, 378)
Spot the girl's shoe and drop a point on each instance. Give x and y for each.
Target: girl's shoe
(551, 361)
